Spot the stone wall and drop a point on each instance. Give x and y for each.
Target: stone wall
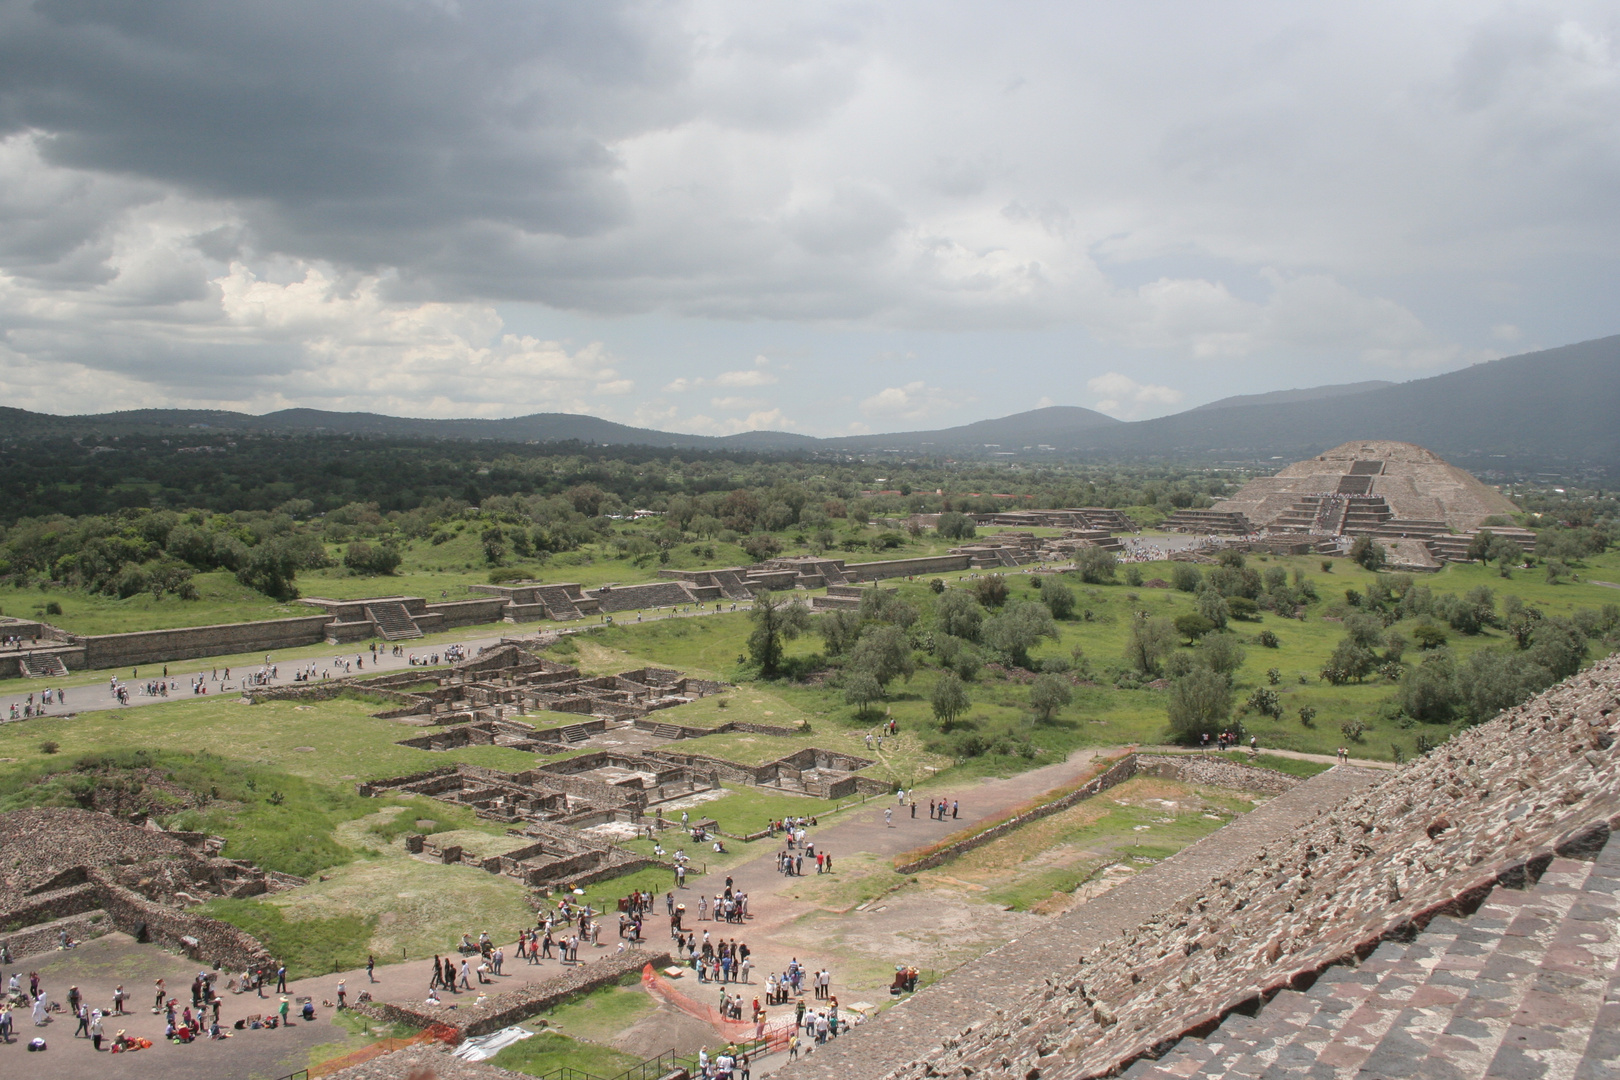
(185, 643)
(1215, 768)
(1121, 771)
(469, 612)
(516, 1006)
(890, 568)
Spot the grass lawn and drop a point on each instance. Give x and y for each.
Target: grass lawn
(603, 1014)
(547, 1051)
(1140, 821)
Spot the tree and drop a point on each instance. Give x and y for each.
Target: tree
(949, 699)
(1496, 679)
(884, 653)
(991, 590)
(1557, 645)
(1057, 597)
(1200, 704)
(885, 606)
(957, 613)
(1017, 629)
(1212, 606)
(840, 629)
(1049, 694)
(1428, 635)
(1185, 577)
(1151, 638)
(776, 619)
(363, 558)
(1428, 691)
(1193, 626)
(1352, 659)
(1368, 553)
(1221, 653)
(955, 526)
(861, 689)
(1096, 565)
(762, 546)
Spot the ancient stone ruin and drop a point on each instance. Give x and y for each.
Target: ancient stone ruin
(1425, 509)
(82, 873)
(1460, 918)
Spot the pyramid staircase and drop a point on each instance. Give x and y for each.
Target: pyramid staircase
(1219, 522)
(573, 734)
(666, 731)
(393, 621)
(732, 585)
(558, 602)
(1528, 986)
(42, 665)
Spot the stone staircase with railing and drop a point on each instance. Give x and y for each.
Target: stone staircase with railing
(1526, 986)
(42, 665)
(732, 585)
(558, 602)
(393, 622)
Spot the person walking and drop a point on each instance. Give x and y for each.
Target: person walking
(371, 967)
(281, 977)
(95, 1029)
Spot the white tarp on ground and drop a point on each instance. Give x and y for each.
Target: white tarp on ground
(487, 1046)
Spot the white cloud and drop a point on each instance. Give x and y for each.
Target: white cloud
(911, 402)
(1123, 397)
(1214, 183)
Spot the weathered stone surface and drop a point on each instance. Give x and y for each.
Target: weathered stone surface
(1336, 888)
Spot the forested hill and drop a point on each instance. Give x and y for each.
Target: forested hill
(1553, 409)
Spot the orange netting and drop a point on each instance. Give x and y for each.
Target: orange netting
(774, 1034)
(439, 1032)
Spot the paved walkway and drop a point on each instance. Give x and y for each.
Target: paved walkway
(91, 691)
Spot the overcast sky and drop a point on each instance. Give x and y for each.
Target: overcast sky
(826, 218)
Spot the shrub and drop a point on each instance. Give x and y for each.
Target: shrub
(1428, 635)
(1096, 565)
(49, 746)
(1265, 701)
(1241, 607)
(936, 586)
(1353, 730)
(991, 590)
(1058, 599)
(1273, 676)
(1307, 715)
(1327, 566)
(1268, 640)
(54, 608)
(1133, 575)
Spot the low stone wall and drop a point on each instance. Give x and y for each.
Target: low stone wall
(469, 612)
(46, 937)
(1213, 767)
(1121, 771)
(199, 937)
(326, 691)
(516, 1006)
(185, 643)
(889, 568)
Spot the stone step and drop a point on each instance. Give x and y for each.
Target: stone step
(393, 621)
(42, 665)
(666, 731)
(573, 733)
(1529, 978)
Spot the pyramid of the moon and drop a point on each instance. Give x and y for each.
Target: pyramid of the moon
(1367, 483)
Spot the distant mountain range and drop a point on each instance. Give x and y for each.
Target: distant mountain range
(1559, 407)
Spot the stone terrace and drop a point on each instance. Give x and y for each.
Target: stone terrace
(982, 987)
(1492, 809)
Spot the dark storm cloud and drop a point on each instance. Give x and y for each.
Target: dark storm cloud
(362, 127)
